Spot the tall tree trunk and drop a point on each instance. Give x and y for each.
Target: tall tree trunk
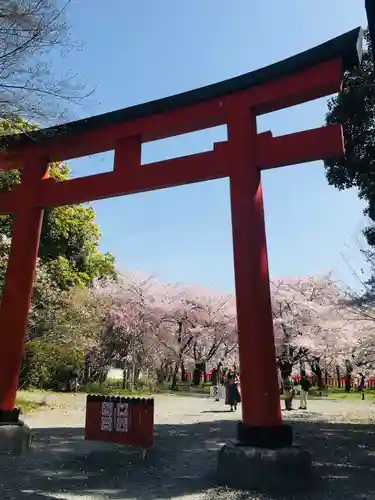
(183, 372)
(197, 373)
(347, 382)
(348, 375)
(319, 380)
(338, 376)
(87, 370)
(124, 377)
(132, 376)
(175, 375)
(169, 373)
(179, 361)
(301, 368)
(199, 370)
(317, 371)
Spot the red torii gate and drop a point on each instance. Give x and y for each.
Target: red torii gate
(236, 102)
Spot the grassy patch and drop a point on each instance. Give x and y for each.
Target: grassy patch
(30, 400)
(354, 395)
(335, 393)
(27, 405)
(113, 387)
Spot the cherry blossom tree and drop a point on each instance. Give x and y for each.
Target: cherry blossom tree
(216, 328)
(131, 324)
(165, 329)
(361, 310)
(310, 325)
(181, 318)
(160, 328)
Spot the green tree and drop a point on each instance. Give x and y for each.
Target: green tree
(62, 328)
(354, 108)
(70, 237)
(69, 246)
(45, 362)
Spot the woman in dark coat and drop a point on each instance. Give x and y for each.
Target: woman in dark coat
(233, 393)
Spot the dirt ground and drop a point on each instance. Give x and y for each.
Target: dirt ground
(189, 431)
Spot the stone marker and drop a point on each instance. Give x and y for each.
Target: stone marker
(15, 438)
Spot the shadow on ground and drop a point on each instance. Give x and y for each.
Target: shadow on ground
(182, 463)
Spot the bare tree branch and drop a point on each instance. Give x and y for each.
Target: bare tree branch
(33, 33)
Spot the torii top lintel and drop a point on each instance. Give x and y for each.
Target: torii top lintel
(309, 75)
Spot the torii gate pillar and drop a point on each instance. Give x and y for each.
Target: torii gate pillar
(18, 285)
(261, 415)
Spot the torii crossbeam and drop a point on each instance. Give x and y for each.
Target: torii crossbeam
(235, 103)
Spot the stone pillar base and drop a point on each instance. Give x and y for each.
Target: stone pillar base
(269, 437)
(261, 469)
(15, 438)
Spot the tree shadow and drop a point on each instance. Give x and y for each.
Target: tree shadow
(192, 393)
(182, 462)
(216, 411)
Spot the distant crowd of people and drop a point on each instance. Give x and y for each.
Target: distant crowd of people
(304, 384)
(226, 383)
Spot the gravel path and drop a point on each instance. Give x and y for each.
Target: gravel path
(189, 431)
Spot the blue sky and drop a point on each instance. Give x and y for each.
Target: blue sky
(135, 51)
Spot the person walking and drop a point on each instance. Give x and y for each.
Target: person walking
(305, 387)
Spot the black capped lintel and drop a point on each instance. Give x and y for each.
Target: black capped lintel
(347, 46)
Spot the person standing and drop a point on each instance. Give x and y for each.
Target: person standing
(362, 385)
(233, 396)
(215, 384)
(362, 382)
(221, 380)
(288, 391)
(305, 387)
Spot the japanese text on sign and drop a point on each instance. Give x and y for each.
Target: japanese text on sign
(122, 420)
(115, 417)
